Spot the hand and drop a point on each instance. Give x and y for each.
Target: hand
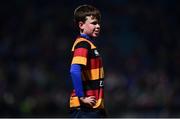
(89, 101)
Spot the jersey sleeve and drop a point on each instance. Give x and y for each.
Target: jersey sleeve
(80, 54)
(77, 79)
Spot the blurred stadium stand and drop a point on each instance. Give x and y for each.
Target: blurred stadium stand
(139, 42)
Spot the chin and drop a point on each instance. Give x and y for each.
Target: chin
(95, 35)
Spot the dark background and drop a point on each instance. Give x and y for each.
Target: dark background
(139, 43)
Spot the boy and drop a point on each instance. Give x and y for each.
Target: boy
(87, 98)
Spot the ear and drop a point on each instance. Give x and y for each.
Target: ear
(81, 25)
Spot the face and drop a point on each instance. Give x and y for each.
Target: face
(90, 27)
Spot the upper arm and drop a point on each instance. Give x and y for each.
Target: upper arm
(80, 53)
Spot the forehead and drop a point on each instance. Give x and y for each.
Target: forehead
(91, 18)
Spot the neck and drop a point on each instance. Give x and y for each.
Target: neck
(86, 36)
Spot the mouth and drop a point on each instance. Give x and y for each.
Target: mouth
(97, 32)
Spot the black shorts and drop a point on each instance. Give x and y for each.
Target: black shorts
(87, 113)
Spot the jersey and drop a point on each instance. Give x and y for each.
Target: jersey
(85, 53)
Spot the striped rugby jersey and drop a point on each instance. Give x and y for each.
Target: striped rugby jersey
(85, 53)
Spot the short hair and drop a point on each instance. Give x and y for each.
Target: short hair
(82, 11)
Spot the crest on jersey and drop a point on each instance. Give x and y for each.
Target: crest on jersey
(96, 52)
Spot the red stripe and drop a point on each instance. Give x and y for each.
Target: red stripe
(81, 52)
(95, 63)
(98, 93)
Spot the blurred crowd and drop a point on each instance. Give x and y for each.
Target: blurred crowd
(139, 44)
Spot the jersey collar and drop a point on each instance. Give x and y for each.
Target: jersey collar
(87, 37)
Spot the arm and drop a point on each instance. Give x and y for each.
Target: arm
(80, 57)
(76, 78)
(77, 82)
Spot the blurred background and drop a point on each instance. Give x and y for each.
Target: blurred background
(139, 43)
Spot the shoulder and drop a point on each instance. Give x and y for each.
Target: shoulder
(81, 43)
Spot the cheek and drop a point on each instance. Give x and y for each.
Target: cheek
(90, 27)
(87, 28)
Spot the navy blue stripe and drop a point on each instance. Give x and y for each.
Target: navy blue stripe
(93, 84)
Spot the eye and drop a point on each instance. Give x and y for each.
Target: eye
(94, 23)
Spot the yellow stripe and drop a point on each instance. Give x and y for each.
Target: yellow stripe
(79, 60)
(74, 102)
(99, 104)
(82, 39)
(95, 74)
